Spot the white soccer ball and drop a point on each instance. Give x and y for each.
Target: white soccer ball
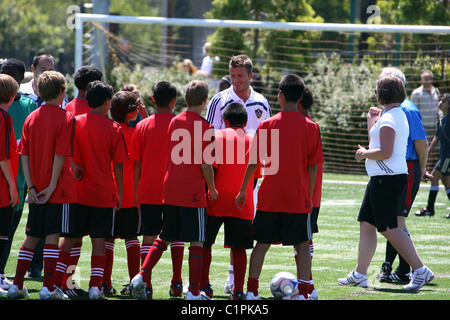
(284, 284)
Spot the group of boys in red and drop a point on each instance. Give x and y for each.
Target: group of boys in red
(176, 177)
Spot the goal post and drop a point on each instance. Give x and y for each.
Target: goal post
(80, 18)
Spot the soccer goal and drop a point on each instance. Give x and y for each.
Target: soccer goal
(340, 62)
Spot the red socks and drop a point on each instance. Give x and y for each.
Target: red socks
(133, 257)
(239, 266)
(97, 269)
(177, 252)
(109, 260)
(206, 263)
(23, 262)
(252, 285)
(51, 255)
(153, 256)
(71, 265)
(195, 269)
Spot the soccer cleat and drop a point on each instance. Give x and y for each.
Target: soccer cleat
(302, 297)
(313, 295)
(238, 295)
(176, 289)
(418, 280)
(126, 290)
(400, 276)
(208, 290)
(108, 291)
(228, 287)
(138, 288)
(3, 293)
(201, 296)
(424, 212)
(384, 275)
(15, 293)
(96, 294)
(251, 296)
(353, 280)
(5, 284)
(56, 294)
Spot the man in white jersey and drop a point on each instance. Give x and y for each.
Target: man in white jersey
(257, 106)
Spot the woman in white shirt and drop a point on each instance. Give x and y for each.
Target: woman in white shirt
(386, 166)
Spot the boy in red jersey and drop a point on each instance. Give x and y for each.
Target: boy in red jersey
(99, 142)
(231, 152)
(50, 184)
(9, 160)
(82, 78)
(289, 144)
(124, 106)
(149, 169)
(303, 107)
(189, 165)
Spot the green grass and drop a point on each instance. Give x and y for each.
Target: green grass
(335, 253)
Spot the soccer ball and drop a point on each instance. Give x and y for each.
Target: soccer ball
(284, 284)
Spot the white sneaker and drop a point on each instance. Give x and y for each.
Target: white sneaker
(56, 294)
(251, 296)
(96, 294)
(15, 293)
(3, 293)
(353, 280)
(228, 287)
(137, 286)
(5, 283)
(418, 280)
(313, 295)
(201, 296)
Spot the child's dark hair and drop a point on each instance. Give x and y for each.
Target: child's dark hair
(122, 103)
(86, 74)
(236, 114)
(307, 99)
(97, 92)
(163, 93)
(292, 86)
(12, 66)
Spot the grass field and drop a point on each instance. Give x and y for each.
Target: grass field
(335, 253)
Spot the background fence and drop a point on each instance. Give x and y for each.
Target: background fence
(339, 62)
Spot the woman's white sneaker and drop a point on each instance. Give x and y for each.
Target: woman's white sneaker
(418, 280)
(353, 280)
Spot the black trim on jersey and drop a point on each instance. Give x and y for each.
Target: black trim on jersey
(226, 104)
(212, 108)
(384, 167)
(257, 103)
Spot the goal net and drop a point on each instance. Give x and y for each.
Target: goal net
(340, 63)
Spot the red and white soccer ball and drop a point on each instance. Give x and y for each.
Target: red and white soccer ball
(284, 284)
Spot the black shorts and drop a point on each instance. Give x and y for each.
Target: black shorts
(443, 166)
(410, 192)
(46, 219)
(98, 222)
(382, 201)
(237, 232)
(183, 224)
(127, 223)
(282, 227)
(6, 218)
(313, 219)
(152, 219)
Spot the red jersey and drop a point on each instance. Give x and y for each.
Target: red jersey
(190, 145)
(77, 107)
(317, 192)
(99, 141)
(128, 182)
(231, 153)
(49, 131)
(149, 145)
(8, 150)
(288, 143)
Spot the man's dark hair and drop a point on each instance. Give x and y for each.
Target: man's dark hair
(97, 93)
(163, 93)
(292, 86)
(14, 66)
(307, 99)
(40, 55)
(86, 74)
(236, 114)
